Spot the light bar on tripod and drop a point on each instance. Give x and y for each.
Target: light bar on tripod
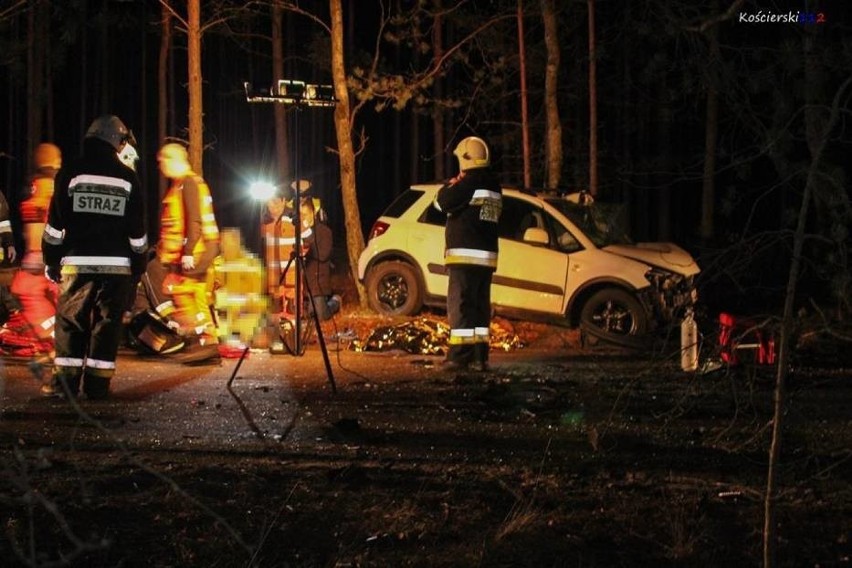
(297, 93)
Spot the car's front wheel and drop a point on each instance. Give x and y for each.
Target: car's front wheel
(614, 313)
(393, 289)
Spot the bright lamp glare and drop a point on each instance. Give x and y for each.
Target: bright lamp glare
(262, 190)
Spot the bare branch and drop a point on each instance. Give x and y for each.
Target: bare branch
(167, 5)
(717, 19)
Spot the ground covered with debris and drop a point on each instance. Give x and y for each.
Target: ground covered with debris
(563, 455)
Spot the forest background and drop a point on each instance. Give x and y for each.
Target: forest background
(708, 120)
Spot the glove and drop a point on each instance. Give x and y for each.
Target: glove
(53, 273)
(187, 263)
(455, 180)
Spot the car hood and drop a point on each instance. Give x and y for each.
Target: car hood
(667, 256)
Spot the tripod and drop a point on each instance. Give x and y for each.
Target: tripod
(299, 95)
(300, 342)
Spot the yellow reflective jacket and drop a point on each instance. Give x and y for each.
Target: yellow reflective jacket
(187, 223)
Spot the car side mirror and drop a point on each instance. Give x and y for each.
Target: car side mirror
(536, 236)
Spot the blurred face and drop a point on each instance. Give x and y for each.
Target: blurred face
(275, 206)
(306, 213)
(173, 167)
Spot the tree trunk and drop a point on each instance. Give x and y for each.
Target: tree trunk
(162, 90)
(105, 82)
(525, 131)
(711, 130)
(84, 72)
(553, 138)
(577, 133)
(831, 200)
(663, 180)
(196, 111)
(593, 104)
(34, 82)
(627, 120)
(708, 184)
(279, 111)
(438, 90)
(346, 153)
(44, 33)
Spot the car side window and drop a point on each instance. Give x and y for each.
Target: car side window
(432, 216)
(565, 241)
(518, 216)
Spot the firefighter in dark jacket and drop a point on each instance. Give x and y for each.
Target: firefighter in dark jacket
(472, 201)
(94, 244)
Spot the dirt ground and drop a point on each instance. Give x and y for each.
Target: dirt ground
(563, 455)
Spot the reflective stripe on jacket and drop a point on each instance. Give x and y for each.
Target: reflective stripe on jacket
(96, 218)
(473, 203)
(176, 229)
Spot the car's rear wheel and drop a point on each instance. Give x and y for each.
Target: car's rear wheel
(614, 313)
(393, 289)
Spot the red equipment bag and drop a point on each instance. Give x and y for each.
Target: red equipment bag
(739, 337)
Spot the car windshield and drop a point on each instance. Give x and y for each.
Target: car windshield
(602, 223)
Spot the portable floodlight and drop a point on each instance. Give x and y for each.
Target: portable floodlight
(300, 95)
(262, 190)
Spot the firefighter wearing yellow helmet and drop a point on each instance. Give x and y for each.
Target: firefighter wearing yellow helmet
(188, 245)
(473, 203)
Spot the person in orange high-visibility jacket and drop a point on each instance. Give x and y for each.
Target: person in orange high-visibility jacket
(473, 201)
(36, 294)
(279, 235)
(188, 245)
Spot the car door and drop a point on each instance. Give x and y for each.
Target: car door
(426, 244)
(530, 275)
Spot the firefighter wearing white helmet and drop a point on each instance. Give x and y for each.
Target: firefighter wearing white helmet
(473, 202)
(94, 245)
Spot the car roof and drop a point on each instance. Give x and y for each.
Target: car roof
(508, 189)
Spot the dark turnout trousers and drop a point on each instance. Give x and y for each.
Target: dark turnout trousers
(469, 313)
(88, 331)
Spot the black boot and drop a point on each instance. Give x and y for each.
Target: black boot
(96, 388)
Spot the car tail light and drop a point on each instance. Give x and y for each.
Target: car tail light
(379, 228)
